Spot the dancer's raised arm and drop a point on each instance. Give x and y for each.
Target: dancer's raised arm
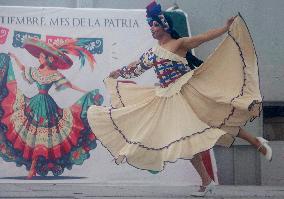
(70, 85)
(21, 66)
(195, 41)
(63, 83)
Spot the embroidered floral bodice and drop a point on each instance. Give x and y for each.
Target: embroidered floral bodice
(167, 66)
(44, 82)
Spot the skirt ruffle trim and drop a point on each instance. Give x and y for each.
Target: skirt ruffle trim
(148, 158)
(123, 148)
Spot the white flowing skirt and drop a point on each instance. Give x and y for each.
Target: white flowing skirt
(149, 126)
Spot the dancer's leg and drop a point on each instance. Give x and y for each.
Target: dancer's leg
(252, 140)
(32, 171)
(201, 170)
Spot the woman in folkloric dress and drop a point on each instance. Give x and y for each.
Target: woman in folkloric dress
(191, 110)
(36, 132)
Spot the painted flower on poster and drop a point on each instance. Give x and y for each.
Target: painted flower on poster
(3, 34)
(57, 40)
(93, 45)
(19, 38)
(78, 156)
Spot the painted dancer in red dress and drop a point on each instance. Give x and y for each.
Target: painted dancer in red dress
(36, 132)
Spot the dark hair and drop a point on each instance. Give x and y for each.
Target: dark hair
(193, 61)
(49, 63)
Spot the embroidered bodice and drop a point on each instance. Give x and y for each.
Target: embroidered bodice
(167, 66)
(44, 82)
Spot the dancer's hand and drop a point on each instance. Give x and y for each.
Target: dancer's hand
(114, 74)
(12, 55)
(21, 66)
(229, 22)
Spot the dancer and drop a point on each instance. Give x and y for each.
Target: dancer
(36, 132)
(191, 110)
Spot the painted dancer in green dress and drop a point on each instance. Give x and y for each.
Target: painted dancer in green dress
(36, 132)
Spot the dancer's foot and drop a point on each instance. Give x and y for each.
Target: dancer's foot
(31, 174)
(264, 148)
(204, 190)
(32, 171)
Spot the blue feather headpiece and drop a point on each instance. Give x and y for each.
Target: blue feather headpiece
(154, 13)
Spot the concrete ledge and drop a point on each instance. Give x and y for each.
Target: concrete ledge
(132, 191)
(272, 172)
(238, 165)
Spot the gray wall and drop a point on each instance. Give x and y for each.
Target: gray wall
(241, 164)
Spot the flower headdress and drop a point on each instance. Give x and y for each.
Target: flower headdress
(74, 47)
(154, 13)
(59, 53)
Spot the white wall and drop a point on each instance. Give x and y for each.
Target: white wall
(99, 168)
(264, 18)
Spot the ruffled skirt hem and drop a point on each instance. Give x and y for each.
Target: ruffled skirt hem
(149, 126)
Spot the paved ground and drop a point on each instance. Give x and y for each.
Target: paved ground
(100, 191)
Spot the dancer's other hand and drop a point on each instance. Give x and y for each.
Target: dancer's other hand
(12, 55)
(114, 74)
(229, 22)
